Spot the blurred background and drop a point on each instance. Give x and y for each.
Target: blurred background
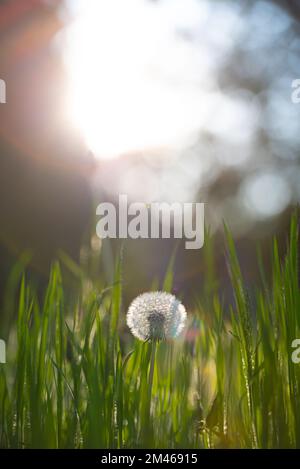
(162, 100)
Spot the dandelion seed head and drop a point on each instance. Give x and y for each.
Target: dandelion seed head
(156, 316)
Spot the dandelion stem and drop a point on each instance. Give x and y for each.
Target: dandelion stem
(147, 431)
(151, 372)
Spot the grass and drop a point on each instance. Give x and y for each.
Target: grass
(72, 381)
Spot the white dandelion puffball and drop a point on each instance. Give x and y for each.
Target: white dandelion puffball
(156, 316)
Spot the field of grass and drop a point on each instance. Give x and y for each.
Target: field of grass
(71, 380)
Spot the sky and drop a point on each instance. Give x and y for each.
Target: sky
(195, 81)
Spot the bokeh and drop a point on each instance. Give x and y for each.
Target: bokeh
(166, 100)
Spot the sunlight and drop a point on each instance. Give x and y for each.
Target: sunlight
(132, 79)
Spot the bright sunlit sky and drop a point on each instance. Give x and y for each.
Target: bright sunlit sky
(151, 75)
(137, 82)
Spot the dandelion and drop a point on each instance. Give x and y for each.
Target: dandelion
(156, 316)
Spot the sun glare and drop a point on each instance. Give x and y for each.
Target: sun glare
(131, 77)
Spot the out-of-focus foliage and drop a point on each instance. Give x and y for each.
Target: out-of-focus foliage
(238, 60)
